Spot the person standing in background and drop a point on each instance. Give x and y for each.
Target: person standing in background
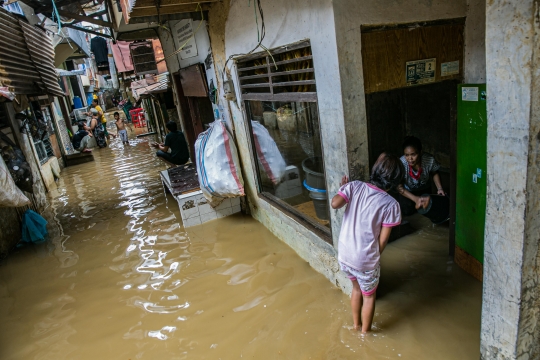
(101, 117)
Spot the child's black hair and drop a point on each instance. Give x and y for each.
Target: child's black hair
(387, 173)
(116, 113)
(412, 141)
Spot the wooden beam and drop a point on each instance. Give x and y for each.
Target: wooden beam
(84, 18)
(167, 10)
(87, 30)
(140, 4)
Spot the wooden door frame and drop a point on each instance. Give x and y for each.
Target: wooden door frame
(186, 115)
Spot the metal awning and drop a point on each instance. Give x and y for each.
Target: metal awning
(26, 58)
(143, 89)
(62, 72)
(145, 8)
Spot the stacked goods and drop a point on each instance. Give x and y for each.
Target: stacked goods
(298, 65)
(286, 118)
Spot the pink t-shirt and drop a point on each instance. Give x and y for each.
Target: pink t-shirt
(368, 209)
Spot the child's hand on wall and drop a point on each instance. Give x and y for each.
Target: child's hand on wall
(344, 180)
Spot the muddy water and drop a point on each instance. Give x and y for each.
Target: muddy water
(121, 279)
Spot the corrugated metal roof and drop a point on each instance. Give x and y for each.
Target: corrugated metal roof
(26, 58)
(161, 84)
(42, 55)
(17, 71)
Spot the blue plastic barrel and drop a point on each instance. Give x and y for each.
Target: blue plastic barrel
(77, 102)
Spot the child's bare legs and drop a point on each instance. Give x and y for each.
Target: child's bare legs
(356, 304)
(363, 308)
(368, 310)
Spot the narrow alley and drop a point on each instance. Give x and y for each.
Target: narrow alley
(121, 279)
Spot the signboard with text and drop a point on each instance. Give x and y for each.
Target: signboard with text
(183, 31)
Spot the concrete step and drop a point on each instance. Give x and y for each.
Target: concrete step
(80, 158)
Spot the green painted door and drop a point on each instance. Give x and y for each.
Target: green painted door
(471, 169)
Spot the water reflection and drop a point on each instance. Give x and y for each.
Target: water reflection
(121, 279)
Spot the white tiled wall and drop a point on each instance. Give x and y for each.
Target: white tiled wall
(291, 186)
(195, 210)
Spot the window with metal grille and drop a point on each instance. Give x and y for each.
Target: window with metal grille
(144, 60)
(41, 151)
(280, 97)
(285, 73)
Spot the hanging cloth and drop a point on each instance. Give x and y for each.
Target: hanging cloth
(98, 46)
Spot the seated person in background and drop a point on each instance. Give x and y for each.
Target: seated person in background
(414, 193)
(81, 138)
(176, 142)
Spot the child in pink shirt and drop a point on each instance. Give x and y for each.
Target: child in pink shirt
(368, 220)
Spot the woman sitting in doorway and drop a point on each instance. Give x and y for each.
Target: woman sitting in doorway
(414, 192)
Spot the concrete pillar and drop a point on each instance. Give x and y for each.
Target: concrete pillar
(511, 299)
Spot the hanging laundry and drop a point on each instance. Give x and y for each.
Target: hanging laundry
(98, 46)
(122, 56)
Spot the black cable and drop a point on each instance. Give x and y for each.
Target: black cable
(263, 34)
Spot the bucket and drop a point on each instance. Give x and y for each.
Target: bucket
(438, 210)
(320, 201)
(77, 102)
(314, 172)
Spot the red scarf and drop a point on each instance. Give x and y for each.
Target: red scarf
(413, 175)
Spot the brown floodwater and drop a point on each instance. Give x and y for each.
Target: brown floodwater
(121, 279)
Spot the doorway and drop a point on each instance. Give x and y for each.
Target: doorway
(411, 76)
(196, 107)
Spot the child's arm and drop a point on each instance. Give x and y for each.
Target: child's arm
(383, 238)
(338, 201)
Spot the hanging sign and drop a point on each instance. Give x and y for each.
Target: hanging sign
(450, 68)
(420, 71)
(184, 34)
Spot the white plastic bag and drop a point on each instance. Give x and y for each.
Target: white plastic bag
(268, 154)
(10, 194)
(218, 165)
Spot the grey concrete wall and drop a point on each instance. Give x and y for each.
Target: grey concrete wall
(475, 42)
(288, 22)
(510, 311)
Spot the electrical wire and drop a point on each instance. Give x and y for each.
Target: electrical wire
(56, 15)
(260, 38)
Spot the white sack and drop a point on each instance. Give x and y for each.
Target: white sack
(268, 154)
(218, 165)
(10, 194)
